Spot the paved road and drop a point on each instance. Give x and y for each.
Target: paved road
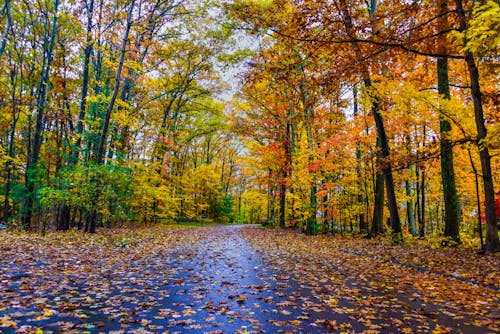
(225, 282)
(232, 289)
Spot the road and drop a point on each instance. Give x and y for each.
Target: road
(235, 279)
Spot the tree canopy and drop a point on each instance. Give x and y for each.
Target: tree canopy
(368, 117)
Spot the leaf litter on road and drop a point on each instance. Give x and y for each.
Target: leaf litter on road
(229, 279)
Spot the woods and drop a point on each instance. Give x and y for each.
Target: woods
(108, 110)
(249, 166)
(352, 117)
(389, 137)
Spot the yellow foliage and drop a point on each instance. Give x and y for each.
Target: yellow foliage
(492, 140)
(483, 33)
(151, 195)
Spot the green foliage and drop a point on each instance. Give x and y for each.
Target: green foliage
(77, 187)
(223, 209)
(53, 198)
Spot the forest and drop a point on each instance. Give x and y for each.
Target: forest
(249, 166)
(376, 109)
(362, 117)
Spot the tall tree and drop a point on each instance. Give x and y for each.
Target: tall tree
(88, 47)
(118, 74)
(5, 11)
(49, 40)
(383, 162)
(492, 240)
(451, 209)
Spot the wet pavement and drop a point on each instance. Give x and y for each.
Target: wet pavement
(217, 285)
(224, 282)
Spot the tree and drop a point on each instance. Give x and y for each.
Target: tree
(492, 240)
(49, 40)
(8, 25)
(89, 7)
(451, 218)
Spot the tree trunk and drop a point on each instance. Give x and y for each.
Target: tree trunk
(8, 164)
(311, 219)
(378, 207)
(451, 219)
(105, 126)
(478, 199)
(282, 203)
(386, 168)
(8, 27)
(85, 82)
(92, 216)
(363, 224)
(269, 198)
(382, 164)
(41, 96)
(63, 217)
(492, 240)
(422, 206)
(410, 204)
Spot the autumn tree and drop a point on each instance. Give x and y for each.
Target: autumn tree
(363, 47)
(492, 240)
(84, 86)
